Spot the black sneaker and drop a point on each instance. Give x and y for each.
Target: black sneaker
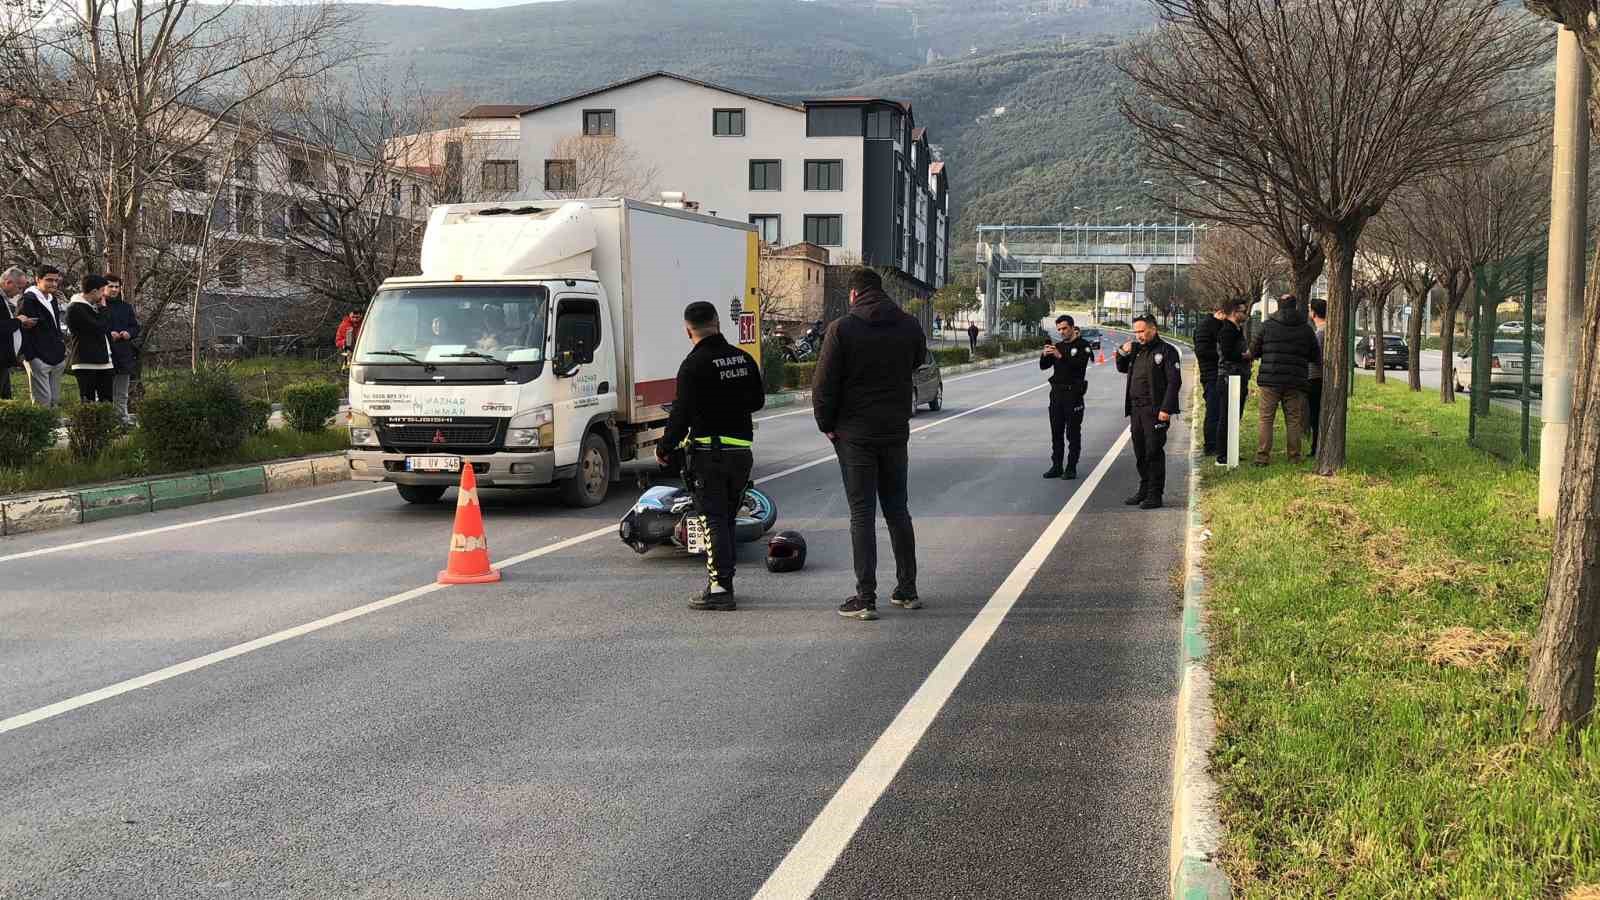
(1071, 474)
(1151, 502)
(1135, 500)
(1054, 472)
(905, 601)
(857, 608)
(719, 601)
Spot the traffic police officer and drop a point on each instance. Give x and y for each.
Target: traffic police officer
(1151, 401)
(719, 386)
(1069, 358)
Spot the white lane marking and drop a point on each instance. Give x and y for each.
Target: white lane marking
(122, 687)
(78, 545)
(807, 411)
(810, 860)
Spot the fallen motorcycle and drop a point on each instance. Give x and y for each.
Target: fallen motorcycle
(669, 515)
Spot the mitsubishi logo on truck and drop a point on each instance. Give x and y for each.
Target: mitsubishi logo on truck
(438, 436)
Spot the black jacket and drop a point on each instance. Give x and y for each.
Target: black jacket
(121, 315)
(10, 340)
(1286, 345)
(719, 386)
(1165, 377)
(1205, 347)
(1230, 351)
(43, 341)
(862, 387)
(1072, 368)
(91, 335)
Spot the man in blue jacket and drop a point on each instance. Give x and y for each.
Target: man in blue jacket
(1151, 401)
(124, 321)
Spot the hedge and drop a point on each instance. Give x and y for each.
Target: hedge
(797, 376)
(91, 428)
(308, 405)
(26, 431)
(194, 419)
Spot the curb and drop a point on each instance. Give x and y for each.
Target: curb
(66, 508)
(1196, 825)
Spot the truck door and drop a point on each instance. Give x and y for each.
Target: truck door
(585, 368)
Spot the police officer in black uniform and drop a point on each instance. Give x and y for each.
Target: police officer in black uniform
(719, 386)
(1152, 400)
(1069, 358)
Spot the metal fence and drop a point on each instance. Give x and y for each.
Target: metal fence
(1502, 366)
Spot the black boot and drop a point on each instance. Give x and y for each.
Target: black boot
(1071, 474)
(1053, 472)
(1136, 499)
(1151, 502)
(718, 597)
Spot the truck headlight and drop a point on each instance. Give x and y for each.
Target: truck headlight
(358, 374)
(532, 430)
(362, 434)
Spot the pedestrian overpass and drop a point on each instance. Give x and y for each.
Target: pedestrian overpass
(1013, 257)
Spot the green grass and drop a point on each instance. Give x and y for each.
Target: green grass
(264, 377)
(1369, 637)
(126, 459)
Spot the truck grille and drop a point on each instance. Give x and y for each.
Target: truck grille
(457, 434)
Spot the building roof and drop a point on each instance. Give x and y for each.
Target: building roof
(850, 101)
(496, 111)
(525, 110)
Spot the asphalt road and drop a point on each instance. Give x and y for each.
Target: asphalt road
(574, 730)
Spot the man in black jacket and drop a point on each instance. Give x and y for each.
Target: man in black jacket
(12, 325)
(124, 322)
(1068, 361)
(91, 341)
(862, 394)
(44, 350)
(1287, 347)
(719, 386)
(1151, 401)
(1233, 358)
(1205, 353)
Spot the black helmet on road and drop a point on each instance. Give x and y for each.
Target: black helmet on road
(786, 552)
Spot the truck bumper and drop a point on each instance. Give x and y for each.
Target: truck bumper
(491, 469)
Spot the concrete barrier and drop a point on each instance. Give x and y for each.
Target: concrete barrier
(115, 501)
(185, 490)
(232, 483)
(288, 476)
(329, 469)
(40, 513)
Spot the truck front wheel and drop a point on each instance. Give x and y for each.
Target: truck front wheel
(588, 486)
(421, 493)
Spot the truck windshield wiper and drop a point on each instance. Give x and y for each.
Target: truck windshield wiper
(473, 354)
(427, 366)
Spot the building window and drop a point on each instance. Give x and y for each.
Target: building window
(299, 171)
(188, 227)
(189, 173)
(768, 228)
(882, 125)
(394, 191)
(416, 195)
(291, 264)
(825, 231)
(600, 122)
(228, 271)
(824, 175)
(245, 205)
(727, 122)
(244, 168)
(500, 175)
(560, 174)
(833, 121)
(299, 219)
(766, 175)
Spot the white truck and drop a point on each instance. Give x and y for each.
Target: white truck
(541, 343)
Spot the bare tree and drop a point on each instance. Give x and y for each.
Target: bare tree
(596, 166)
(1236, 264)
(1316, 106)
(1392, 235)
(781, 289)
(1376, 277)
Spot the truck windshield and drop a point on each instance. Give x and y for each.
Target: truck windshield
(455, 325)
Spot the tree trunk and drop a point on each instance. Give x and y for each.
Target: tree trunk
(1305, 281)
(1447, 344)
(1414, 339)
(1561, 667)
(1380, 301)
(1340, 249)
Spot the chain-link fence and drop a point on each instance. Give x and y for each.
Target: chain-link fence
(1502, 366)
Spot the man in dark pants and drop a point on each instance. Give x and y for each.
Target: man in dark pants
(1319, 321)
(1205, 353)
(972, 336)
(719, 386)
(1069, 358)
(1233, 358)
(861, 394)
(1151, 365)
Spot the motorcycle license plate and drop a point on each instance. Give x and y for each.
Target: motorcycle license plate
(696, 527)
(433, 464)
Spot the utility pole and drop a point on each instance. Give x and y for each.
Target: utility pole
(1569, 195)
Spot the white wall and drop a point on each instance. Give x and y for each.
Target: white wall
(667, 124)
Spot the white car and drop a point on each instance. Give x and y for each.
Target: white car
(1505, 367)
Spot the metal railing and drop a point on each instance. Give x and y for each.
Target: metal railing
(1504, 358)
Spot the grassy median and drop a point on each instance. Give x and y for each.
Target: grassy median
(1369, 637)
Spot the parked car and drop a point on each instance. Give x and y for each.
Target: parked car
(1396, 354)
(927, 385)
(1512, 327)
(1505, 368)
(1094, 336)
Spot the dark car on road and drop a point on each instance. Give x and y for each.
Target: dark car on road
(927, 386)
(1396, 353)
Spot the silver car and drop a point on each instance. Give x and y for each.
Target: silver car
(1505, 367)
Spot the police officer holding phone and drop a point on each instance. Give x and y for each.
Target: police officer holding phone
(1069, 360)
(719, 386)
(1154, 380)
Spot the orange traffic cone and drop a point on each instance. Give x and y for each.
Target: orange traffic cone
(469, 546)
(1102, 360)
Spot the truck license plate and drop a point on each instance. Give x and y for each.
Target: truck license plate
(697, 534)
(433, 464)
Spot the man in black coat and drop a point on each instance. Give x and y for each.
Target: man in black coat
(1287, 347)
(44, 349)
(12, 326)
(1233, 358)
(1067, 361)
(1205, 353)
(91, 341)
(862, 395)
(124, 322)
(1151, 401)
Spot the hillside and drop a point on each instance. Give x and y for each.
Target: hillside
(953, 28)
